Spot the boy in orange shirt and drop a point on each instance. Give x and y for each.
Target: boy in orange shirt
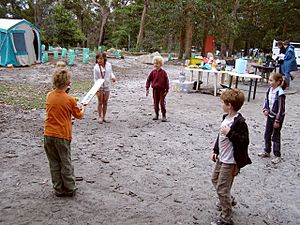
(60, 106)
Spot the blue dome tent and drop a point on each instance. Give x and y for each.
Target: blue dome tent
(20, 43)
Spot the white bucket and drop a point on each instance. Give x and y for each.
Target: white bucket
(240, 66)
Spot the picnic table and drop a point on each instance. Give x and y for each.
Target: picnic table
(264, 71)
(253, 78)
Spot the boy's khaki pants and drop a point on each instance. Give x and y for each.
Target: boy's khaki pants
(58, 151)
(222, 179)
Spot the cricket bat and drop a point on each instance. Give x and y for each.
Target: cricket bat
(88, 97)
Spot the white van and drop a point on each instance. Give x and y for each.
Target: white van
(275, 50)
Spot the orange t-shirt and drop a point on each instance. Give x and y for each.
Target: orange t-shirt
(59, 108)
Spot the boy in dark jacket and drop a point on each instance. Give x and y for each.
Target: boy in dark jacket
(230, 152)
(159, 81)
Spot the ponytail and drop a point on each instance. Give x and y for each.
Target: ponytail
(284, 84)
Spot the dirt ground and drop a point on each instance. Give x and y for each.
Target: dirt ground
(137, 171)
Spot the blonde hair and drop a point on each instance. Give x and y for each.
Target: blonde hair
(235, 97)
(61, 64)
(158, 59)
(61, 78)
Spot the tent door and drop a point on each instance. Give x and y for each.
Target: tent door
(36, 45)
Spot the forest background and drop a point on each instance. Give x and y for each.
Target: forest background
(160, 25)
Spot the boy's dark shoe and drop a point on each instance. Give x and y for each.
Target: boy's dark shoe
(70, 194)
(155, 117)
(164, 118)
(221, 222)
(57, 194)
(65, 194)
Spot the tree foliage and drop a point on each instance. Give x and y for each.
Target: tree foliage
(169, 25)
(62, 27)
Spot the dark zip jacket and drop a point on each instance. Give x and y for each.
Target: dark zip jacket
(239, 136)
(278, 109)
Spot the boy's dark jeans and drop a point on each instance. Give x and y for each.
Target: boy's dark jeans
(272, 134)
(58, 151)
(159, 98)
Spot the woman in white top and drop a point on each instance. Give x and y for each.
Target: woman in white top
(103, 70)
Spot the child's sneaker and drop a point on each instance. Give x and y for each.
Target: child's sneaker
(276, 160)
(264, 154)
(221, 222)
(155, 117)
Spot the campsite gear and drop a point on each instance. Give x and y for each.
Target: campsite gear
(85, 55)
(20, 43)
(240, 66)
(63, 53)
(184, 56)
(118, 54)
(169, 57)
(45, 57)
(71, 57)
(55, 53)
(92, 55)
(206, 67)
(71, 60)
(85, 59)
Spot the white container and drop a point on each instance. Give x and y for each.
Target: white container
(184, 87)
(240, 66)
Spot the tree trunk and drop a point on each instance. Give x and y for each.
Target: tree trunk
(105, 11)
(233, 14)
(284, 31)
(203, 52)
(223, 49)
(37, 13)
(231, 46)
(181, 44)
(170, 43)
(103, 23)
(188, 37)
(140, 36)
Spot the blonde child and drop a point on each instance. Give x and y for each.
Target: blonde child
(61, 64)
(230, 152)
(274, 111)
(58, 133)
(159, 81)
